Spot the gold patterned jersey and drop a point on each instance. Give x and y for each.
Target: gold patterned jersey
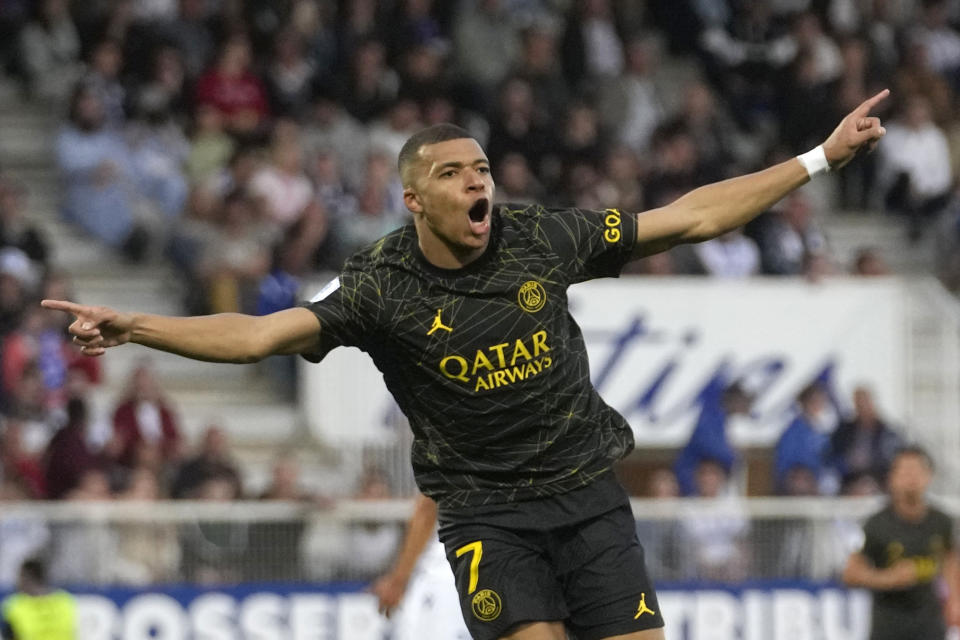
(486, 361)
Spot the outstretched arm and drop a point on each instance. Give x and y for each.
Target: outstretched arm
(860, 572)
(225, 337)
(715, 209)
(390, 587)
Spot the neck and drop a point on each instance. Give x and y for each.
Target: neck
(909, 507)
(443, 254)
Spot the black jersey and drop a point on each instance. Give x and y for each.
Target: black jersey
(486, 361)
(915, 612)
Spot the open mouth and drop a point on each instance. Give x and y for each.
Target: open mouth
(478, 212)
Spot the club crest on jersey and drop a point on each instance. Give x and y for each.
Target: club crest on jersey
(532, 296)
(486, 605)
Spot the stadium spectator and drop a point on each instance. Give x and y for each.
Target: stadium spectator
(100, 193)
(331, 130)
(50, 51)
(789, 236)
(211, 148)
(213, 460)
(709, 438)
(144, 419)
(939, 38)
(190, 33)
(15, 230)
(291, 75)
(103, 79)
(540, 66)
(915, 167)
(592, 45)
(914, 77)
(518, 126)
(715, 532)
(372, 546)
(281, 184)
(485, 47)
(662, 537)
(18, 281)
(27, 404)
(236, 256)
(800, 450)
(636, 105)
(863, 445)
(165, 91)
(732, 255)
(158, 151)
(372, 85)
(147, 552)
(68, 457)
(231, 87)
(400, 121)
(379, 208)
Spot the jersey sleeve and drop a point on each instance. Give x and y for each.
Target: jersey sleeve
(590, 244)
(348, 309)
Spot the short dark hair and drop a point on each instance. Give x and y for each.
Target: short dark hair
(431, 135)
(35, 570)
(914, 450)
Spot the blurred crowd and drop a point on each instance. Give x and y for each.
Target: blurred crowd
(249, 143)
(822, 451)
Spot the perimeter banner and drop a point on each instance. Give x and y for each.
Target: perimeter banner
(658, 345)
(785, 611)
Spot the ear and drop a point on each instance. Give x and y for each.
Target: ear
(412, 199)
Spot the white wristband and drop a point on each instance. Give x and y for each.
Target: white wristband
(814, 161)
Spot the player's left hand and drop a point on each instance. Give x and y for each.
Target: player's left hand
(858, 131)
(389, 590)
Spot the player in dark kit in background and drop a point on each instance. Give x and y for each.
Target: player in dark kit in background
(465, 313)
(908, 546)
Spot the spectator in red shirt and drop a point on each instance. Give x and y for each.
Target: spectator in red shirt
(68, 457)
(144, 419)
(233, 89)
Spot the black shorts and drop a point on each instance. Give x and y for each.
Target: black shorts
(589, 574)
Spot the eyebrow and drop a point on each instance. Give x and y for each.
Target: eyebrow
(459, 165)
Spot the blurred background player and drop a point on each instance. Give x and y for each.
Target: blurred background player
(419, 592)
(36, 611)
(908, 557)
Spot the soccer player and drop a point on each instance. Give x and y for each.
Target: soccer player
(907, 547)
(37, 611)
(465, 314)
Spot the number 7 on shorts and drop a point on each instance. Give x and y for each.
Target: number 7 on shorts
(477, 549)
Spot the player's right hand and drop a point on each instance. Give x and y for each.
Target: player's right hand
(902, 574)
(389, 590)
(95, 329)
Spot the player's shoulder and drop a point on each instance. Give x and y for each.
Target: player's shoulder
(394, 249)
(881, 519)
(939, 517)
(529, 213)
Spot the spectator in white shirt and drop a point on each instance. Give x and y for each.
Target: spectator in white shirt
(732, 255)
(282, 185)
(915, 165)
